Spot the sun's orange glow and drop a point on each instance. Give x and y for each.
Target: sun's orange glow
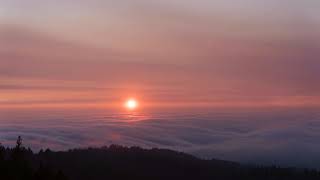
(131, 104)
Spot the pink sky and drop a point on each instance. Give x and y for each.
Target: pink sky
(165, 53)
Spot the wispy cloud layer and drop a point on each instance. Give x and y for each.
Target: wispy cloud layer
(224, 67)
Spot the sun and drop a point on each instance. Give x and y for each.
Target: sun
(131, 104)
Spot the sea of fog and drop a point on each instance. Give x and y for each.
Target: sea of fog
(282, 136)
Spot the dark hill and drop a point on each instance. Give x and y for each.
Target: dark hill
(118, 162)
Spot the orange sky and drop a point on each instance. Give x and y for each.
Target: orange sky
(168, 53)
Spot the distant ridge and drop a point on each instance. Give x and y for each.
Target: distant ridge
(119, 162)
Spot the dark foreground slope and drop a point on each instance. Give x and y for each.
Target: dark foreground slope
(117, 162)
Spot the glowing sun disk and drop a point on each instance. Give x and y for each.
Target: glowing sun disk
(131, 104)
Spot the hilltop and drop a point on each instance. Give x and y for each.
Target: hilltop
(119, 162)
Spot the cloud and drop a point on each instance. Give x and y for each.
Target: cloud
(186, 56)
(283, 136)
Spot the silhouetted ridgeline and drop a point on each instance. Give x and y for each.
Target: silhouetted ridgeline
(117, 162)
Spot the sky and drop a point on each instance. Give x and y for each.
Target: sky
(164, 53)
(228, 79)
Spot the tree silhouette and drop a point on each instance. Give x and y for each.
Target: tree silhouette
(18, 165)
(19, 142)
(2, 153)
(119, 162)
